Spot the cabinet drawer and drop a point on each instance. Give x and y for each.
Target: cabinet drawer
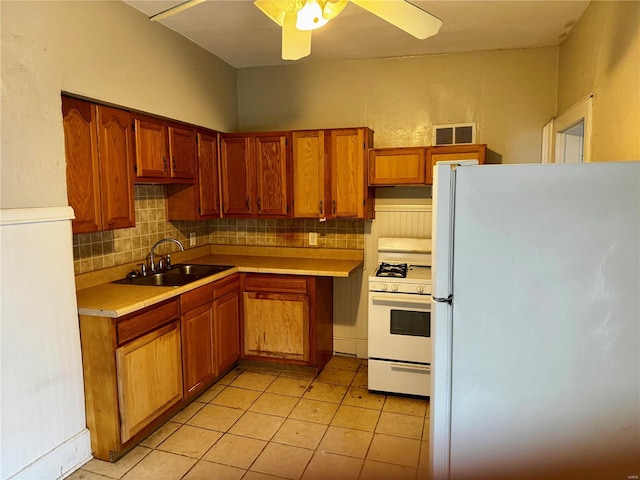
(226, 285)
(196, 297)
(276, 283)
(149, 319)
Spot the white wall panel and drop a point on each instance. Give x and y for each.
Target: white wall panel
(44, 432)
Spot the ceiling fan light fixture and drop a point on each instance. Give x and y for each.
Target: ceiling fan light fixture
(310, 16)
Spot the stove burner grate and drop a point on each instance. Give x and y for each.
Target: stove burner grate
(397, 270)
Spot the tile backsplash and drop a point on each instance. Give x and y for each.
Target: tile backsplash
(94, 251)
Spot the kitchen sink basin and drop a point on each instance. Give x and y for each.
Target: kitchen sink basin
(178, 275)
(194, 269)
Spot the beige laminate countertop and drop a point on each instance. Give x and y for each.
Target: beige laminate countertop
(97, 296)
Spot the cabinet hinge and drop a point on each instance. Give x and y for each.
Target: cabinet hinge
(133, 126)
(135, 168)
(364, 202)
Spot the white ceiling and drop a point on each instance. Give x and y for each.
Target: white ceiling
(240, 34)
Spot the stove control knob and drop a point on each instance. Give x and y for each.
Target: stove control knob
(420, 289)
(394, 288)
(383, 287)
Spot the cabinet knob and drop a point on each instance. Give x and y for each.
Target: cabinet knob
(334, 207)
(173, 163)
(321, 207)
(164, 164)
(259, 205)
(248, 203)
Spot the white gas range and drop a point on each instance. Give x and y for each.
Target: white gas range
(399, 338)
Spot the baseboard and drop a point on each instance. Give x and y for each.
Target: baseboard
(351, 346)
(60, 462)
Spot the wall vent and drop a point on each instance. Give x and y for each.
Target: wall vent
(454, 134)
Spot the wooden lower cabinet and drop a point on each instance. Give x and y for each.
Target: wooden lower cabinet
(149, 378)
(132, 375)
(197, 349)
(210, 333)
(276, 325)
(226, 322)
(288, 319)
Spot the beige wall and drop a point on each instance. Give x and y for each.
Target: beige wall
(602, 57)
(103, 50)
(511, 94)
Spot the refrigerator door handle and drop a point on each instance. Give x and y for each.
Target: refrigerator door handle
(448, 299)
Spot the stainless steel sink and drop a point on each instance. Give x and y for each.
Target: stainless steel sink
(194, 269)
(178, 275)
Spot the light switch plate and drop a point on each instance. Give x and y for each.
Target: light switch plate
(313, 238)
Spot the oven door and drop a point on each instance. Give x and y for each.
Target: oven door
(400, 327)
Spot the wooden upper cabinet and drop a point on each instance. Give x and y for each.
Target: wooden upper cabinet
(351, 196)
(237, 170)
(182, 151)
(98, 150)
(272, 180)
(446, 153)
(81, 152)
(151, 148)
(397, 166)
(116, 173)
(254, 175)
(208, 177)
(201, 200)
(165, 152)
(309, 188)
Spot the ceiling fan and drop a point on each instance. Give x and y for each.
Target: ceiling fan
(299, 17)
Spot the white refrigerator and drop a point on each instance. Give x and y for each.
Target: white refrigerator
(536, 321)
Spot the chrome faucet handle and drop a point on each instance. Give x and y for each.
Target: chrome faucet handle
(161, 264)
(143, 269)
(168, 262)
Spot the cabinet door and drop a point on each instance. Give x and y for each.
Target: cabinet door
(200, 200)
(348, 175)
(149, 372)
(197, 349)
(151, 148)
(272, 185)
(446, 153)
(208, 181)
(81, 152)
(309, 198)
(182, 152)
(397, 166)
(226, 312)
(276, 326)
(116, 167)
(238, 170)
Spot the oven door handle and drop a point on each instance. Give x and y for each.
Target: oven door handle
(402, 298)
(410, 367)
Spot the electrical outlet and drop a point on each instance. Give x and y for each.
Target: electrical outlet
(192, 239)
(313, 238)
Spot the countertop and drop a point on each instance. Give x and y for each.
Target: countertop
(97, 296)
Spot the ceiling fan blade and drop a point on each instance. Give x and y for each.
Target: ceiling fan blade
(295, 43)
(173, 10)
(403, 15)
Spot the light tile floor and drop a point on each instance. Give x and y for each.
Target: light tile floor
(257, 424)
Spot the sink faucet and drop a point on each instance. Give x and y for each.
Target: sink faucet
(162, 240)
